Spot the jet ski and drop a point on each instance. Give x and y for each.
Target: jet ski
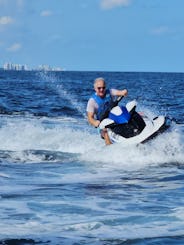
(125, 125)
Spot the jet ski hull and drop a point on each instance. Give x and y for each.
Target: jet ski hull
(151, 130)
(132, 129)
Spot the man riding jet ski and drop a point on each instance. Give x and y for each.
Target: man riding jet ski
(120, 124)
(100, 102)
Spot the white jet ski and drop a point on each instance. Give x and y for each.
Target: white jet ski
(126, 126)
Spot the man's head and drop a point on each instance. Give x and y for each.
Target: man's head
(100, 86)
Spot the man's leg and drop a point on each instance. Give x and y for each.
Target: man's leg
(106, 137)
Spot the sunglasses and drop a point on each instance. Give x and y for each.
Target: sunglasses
(100, 88)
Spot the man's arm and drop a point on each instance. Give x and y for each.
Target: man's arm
(91, 119)
(123, 92)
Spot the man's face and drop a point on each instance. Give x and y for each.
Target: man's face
(100, 88)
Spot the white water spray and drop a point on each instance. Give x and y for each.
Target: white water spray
(52, 82)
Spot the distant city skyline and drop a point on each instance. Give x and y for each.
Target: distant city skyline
(24, 67)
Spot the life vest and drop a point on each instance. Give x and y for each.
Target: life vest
(104, 104)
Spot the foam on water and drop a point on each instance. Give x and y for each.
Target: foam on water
(22, 137)
(18, 134)
(167, 147)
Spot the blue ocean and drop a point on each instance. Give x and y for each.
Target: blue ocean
(60, 184)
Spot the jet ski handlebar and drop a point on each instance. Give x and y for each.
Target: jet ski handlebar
(119, 98)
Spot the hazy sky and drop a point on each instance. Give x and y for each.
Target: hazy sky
(103, 35)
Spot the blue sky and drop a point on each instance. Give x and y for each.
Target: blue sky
(94, 35)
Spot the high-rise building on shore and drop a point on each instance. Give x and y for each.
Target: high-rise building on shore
(15, 67)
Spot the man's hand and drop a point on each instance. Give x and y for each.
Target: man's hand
(96, 124)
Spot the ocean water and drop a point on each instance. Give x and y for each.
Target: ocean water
(59, 183)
